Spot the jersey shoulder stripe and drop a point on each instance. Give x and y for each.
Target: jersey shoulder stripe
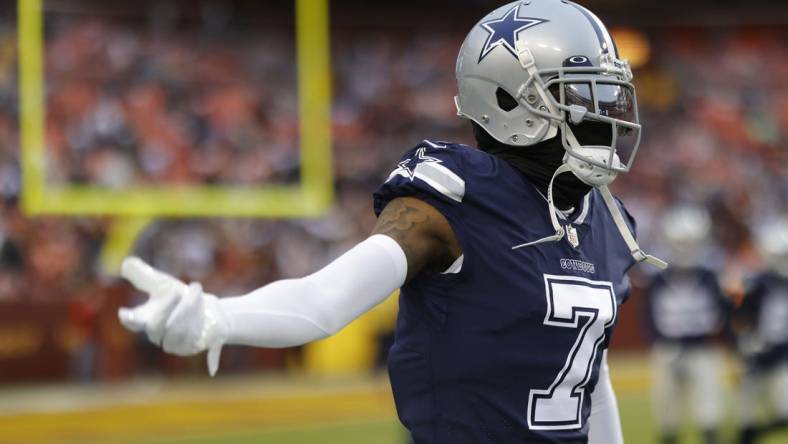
(442, 179)
(434, 164)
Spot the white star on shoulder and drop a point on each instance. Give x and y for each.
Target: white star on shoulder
(419, 157)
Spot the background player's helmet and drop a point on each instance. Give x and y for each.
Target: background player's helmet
(686, 229)
(772, 242)
(535, 68)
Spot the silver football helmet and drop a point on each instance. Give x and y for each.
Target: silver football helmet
(686, 229)
(534, 68)
(771, 240)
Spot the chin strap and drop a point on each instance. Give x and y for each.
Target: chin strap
(632, 244)
(637, 253)
(560, 232)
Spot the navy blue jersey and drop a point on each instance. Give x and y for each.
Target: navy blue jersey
(506, 346)
(765, 311)
(686, 306)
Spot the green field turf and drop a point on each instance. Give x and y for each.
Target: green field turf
(637, 423)
(378, 432)
(260, 410)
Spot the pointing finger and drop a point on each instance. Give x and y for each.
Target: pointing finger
(144, 277)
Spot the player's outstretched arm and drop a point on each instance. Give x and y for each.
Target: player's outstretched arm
(411, 237)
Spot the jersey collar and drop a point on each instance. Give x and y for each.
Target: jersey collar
(574, 215)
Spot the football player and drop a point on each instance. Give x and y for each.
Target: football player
(687, 311)
(512, 258)
(762, 325)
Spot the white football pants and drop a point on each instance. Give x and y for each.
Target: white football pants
(680, 373)
(756, 387)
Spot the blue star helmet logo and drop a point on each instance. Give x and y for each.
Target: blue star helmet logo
(504, 31)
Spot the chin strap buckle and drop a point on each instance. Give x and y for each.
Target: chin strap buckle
(641, 256)
(637, 253)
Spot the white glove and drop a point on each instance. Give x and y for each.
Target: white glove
(181, 319)
(184, 321)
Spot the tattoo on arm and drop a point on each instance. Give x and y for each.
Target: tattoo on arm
(398, 221)
(423, 233)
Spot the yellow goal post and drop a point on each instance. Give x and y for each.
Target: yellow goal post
(312, 196)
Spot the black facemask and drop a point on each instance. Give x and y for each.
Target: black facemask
(538, 163)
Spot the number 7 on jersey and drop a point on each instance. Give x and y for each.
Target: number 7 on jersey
(589, 307)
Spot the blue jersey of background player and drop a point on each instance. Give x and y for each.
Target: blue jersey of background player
(762, 325)
(763, 315)
(505, 345)
(686, 311)
(686, 306)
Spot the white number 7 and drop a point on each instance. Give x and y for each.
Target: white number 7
(590, 308)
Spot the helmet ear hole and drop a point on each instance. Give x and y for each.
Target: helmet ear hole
(505, 100)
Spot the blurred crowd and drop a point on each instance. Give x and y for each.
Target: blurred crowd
(188, 105)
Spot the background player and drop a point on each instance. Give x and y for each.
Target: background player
(686, 311)
(506, 309)
(762, 325)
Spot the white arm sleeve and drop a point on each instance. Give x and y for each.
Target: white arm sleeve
(296, 311)
(604, 423)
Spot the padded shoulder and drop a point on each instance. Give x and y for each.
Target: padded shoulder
(432, 171)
